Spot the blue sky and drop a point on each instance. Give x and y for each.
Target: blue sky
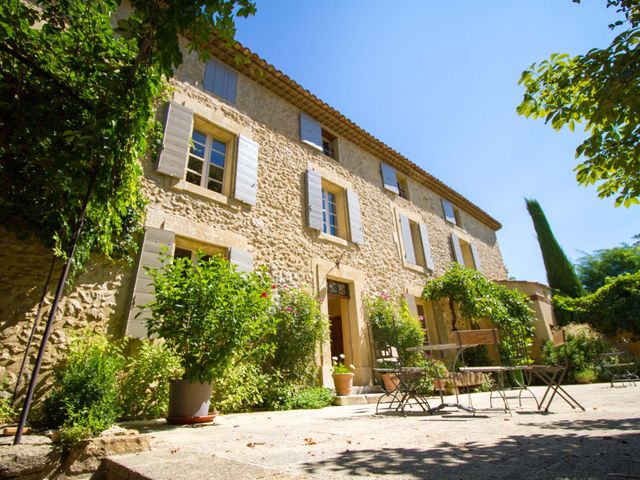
(438, 81)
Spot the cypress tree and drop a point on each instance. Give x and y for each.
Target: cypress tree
(561, 276)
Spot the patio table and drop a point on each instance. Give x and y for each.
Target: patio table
(440, 348)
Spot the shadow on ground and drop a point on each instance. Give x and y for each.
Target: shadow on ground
(567, 455)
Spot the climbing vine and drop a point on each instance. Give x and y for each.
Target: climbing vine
(478, 298)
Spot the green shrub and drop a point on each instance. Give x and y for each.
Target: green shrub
(586, 375)
(144, 386)
(84, 398)
(301, 327)
(207, 312)
(7, 412)
(241, 388)
(582, 347)
(393, 324)
(312, 397)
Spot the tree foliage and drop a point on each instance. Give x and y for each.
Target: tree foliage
(78, 93)
(611, 309)
(478, 298)
(594, 269)
(560, 273)
(600, 90)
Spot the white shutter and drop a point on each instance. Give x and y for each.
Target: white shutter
(457, 251)
(242, 259)
(476, 257)
(449, 213)
(355, 219)
(389, 178)
(152, 245)
(246, 170)
(314, 200)
(221, 80)
(409, 252)
(175, 143)
(411, 303)
(426, 246)
(310, 131)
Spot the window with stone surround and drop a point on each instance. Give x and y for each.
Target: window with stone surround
(315, 135)
(209, 165)
(415, 239)
(334, 221)
(451, 213)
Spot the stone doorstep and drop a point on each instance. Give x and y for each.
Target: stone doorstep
(86, 456)
(357, 399)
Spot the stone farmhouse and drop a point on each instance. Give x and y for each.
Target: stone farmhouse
(257, 169)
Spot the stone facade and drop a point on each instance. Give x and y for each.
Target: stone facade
(274, 231)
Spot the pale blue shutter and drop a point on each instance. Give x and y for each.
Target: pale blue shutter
(457, 251)
(409, 252)
(175, 143)
(449, 213)
(355, 219)
(426, 246)
(221, 80)
(155, 240)
(246, 171)
(242, 259)
(476, 257)
(310, 131)
(389, 178)
(314, 200)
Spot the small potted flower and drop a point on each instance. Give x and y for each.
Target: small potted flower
(342, 376)
(437, 371)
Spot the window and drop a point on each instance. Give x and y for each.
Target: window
(334, 221)
(208, 165)
(417, 248)
(333, 210)
(329, 213)
(464, 252)
(187, 249)
(451, 213)
(393, 181)
(329, 144)
(312, 133)
(403, 186)
(221, 80)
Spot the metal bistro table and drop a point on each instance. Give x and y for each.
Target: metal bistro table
(441, 347)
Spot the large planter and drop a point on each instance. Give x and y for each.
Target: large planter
(343, 383)
(189, 402)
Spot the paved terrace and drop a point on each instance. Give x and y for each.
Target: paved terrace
(347, 442)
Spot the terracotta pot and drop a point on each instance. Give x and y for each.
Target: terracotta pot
(391, 381)
(439, 383)
(343, 383)
(188, 401)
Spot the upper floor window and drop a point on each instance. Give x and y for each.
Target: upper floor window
(208, 165)
(417, 248)
(199, 153)
(451, 213)
(312, 133)
(221, 80)
(465, 253)
(393, 181)
(329, 213)
(333, 210)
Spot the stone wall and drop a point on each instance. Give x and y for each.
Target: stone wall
(274, 230)
(96, 300)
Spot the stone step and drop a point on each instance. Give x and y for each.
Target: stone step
(179, 464)
(357, 399)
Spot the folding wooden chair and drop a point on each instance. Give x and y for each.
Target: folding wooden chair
(488, 336)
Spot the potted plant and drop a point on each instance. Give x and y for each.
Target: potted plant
(437, 371)
(205, 311)
(342, 376)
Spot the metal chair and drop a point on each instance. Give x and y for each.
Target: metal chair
(405, 386)
(488, 336)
